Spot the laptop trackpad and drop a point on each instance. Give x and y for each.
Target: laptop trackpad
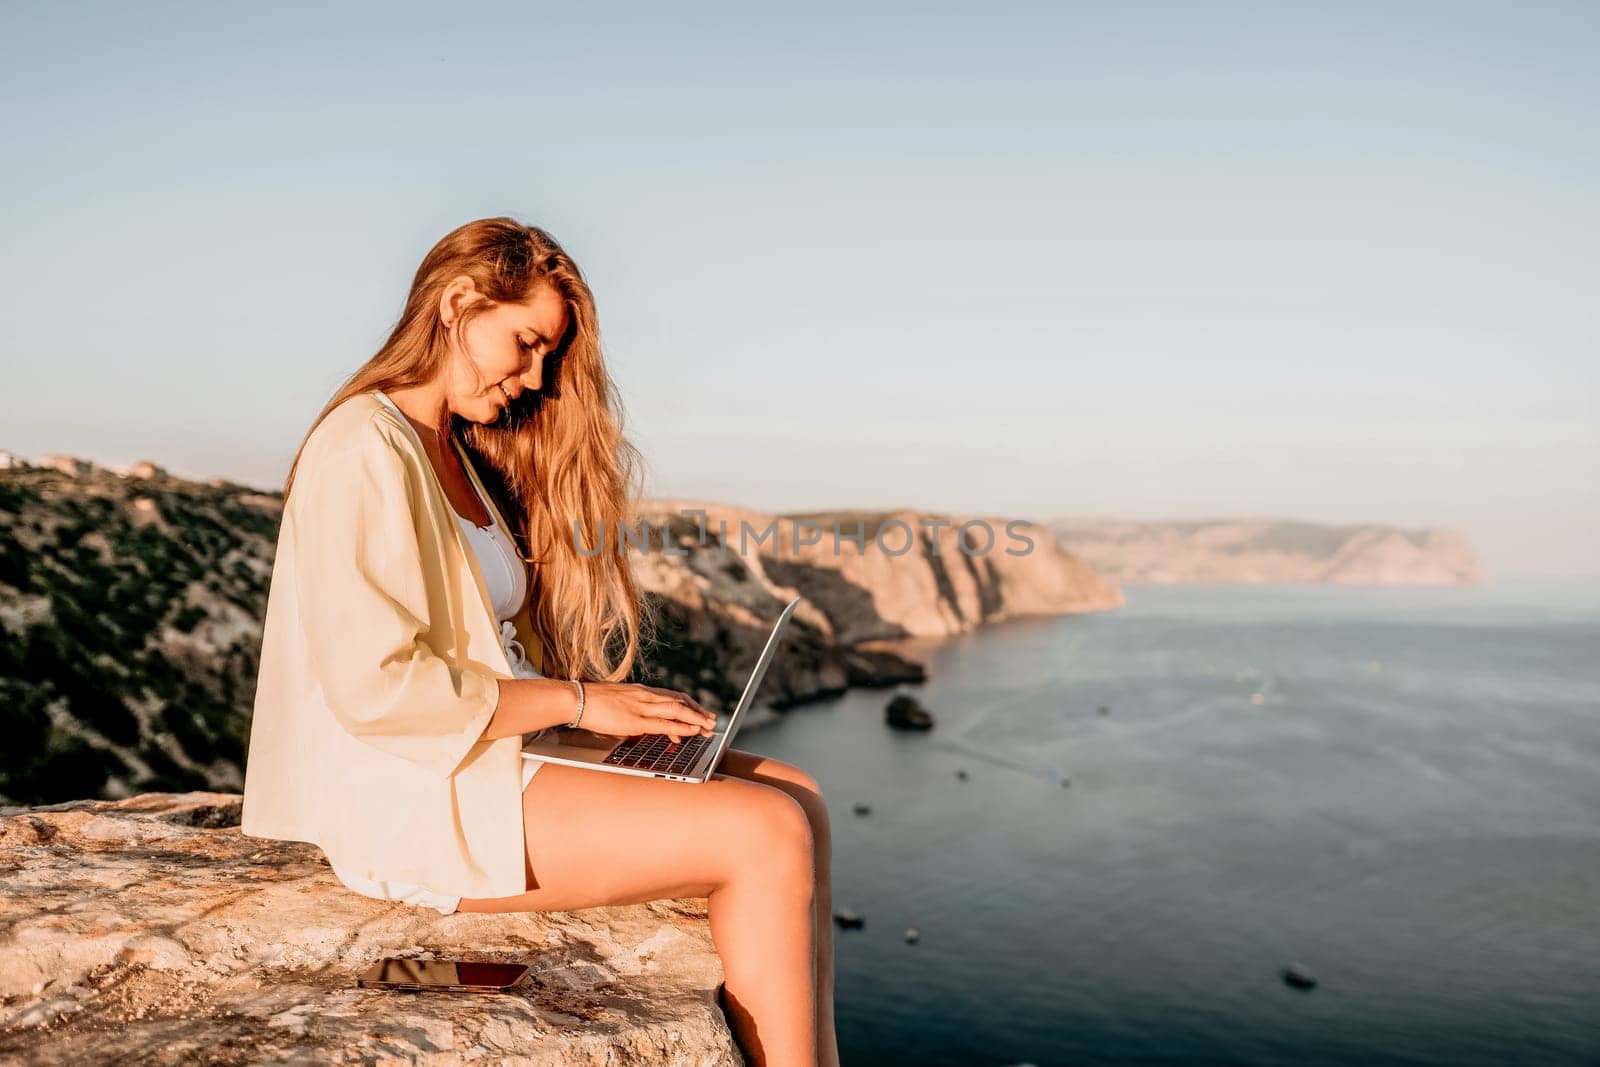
(578, 737)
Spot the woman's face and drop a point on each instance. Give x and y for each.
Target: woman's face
(506, 347)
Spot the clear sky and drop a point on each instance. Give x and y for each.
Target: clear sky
(1332, 262)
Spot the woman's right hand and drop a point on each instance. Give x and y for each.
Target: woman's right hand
(623, 709)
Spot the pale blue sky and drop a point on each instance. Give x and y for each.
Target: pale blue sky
(1332, 262)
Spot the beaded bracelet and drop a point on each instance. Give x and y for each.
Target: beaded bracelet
(575, 721)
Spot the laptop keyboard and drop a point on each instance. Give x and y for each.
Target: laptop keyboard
(658, 752)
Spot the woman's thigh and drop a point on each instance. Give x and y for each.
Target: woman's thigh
(597, 839)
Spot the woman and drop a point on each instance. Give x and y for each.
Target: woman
(420, 624)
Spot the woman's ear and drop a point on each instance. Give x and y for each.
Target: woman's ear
(458, 293)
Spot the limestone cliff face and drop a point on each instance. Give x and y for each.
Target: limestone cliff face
(895, 574)
(717, 610)
(1269, 551)
(151, 931)
(131, 604)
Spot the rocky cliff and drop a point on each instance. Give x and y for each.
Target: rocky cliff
(131, 604)
(1269, 551)
(885, 575)
(151, 931)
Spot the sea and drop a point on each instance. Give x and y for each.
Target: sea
(1125, 827)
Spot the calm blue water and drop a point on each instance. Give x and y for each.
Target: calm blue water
(1398, 789)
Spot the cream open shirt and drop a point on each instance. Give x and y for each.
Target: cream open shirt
(381, 660)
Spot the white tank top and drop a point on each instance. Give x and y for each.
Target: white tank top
(507, 578)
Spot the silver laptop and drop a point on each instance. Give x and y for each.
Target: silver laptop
(688, 759)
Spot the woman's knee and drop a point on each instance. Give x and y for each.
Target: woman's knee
(776, 841)
(808, 794)
(796, 781)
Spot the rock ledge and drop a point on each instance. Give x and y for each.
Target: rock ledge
(151, 931)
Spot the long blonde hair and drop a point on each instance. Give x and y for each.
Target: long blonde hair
(557, 465)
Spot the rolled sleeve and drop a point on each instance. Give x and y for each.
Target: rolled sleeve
(362, 593)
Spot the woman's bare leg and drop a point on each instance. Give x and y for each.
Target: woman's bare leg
(804, 788)
(603, 839)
